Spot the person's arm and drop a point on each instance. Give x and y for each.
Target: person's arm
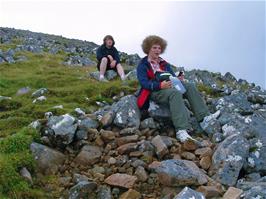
(169, 69)
(117, 57)
(99, 54)
(152, 85)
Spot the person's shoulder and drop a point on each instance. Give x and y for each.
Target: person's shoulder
(114, 48)
(100, 47)
(143, 62)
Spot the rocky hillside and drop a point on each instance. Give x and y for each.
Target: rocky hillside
(64, 134)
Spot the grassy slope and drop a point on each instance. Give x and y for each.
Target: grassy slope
(68, 86)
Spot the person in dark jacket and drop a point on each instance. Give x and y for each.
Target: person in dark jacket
(108, 58)
(163, 92)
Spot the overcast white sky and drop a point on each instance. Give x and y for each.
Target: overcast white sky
(219, 36)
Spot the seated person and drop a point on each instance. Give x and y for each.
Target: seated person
(162, 92)
(108, 58)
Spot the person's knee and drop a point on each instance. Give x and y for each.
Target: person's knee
(104, 60)
(190, 86)
(172, 92)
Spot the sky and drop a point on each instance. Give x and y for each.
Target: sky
(218, 36)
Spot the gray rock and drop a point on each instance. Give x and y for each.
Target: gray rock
(180, 172)
(88, 155)
(33, 48)
(132, 60)
(79, 61)
(10, 53)
(236, 102)
(1, 60)
(187, 193)
(78, 178)
(82, 190)
(127, 113)
(54, 50)
(26, 175)
(149, 123)
(21, 58)
(9, 59)
(229, 158)
(229, 77)
(104, 192)
(88, 123)
(110, 74)
(132, 75)
(61, 129)
(48, 160)
(253, 189)
(39, 92)
(23, 90)
(257, 97)
(160, 113)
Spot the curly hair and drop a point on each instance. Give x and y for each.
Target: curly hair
(151, 40)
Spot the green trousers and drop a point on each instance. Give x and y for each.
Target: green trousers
(174, 99)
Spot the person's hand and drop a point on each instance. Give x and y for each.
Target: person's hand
(166, 84)
(113, 63)
(111, 58)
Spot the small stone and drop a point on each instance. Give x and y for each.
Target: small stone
(104, 192)
(99, 176)
(26, 174)
(209, 191)
(107, 136)
(135, 154)
(206, 151)
(205, 162)
(127, 148)
(99, 141)
(82, 189)
(111, 161)
(188, 193)
(65, 181)
(127, 139)
(78, 178)
(141, 174)
(121, 180)
(188, 155)
(190, 145)
(161, 148)
(107, 119)
(233, 193)
(130, 194)
(89, 155)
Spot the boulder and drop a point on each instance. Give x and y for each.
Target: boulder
(48, 160)
(179, 173)
(61, 129)
(229, 158)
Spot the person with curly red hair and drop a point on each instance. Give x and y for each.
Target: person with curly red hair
(163, 92)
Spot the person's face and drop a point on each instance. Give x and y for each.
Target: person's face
(155, 51)
(109, 42)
